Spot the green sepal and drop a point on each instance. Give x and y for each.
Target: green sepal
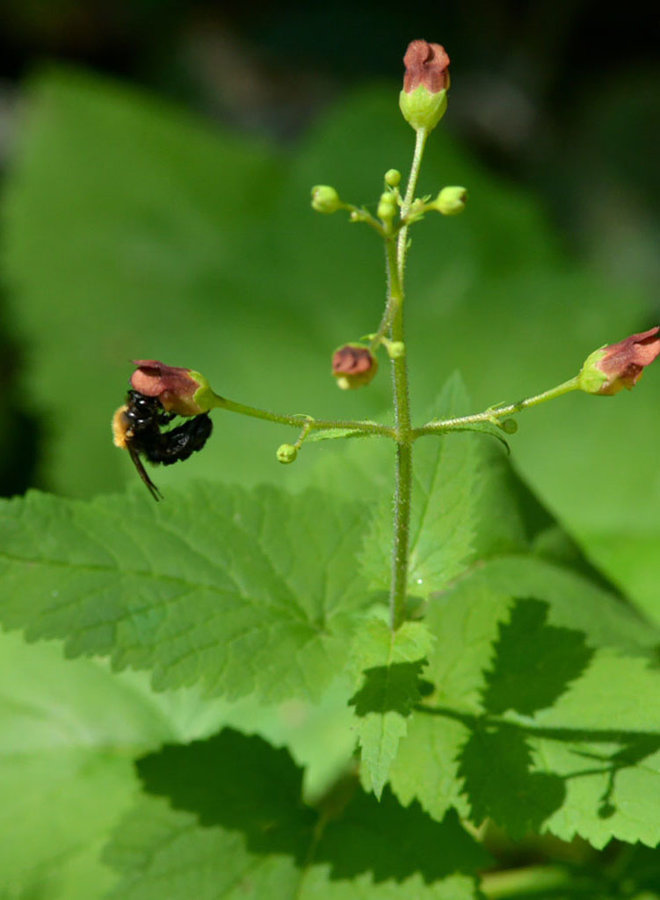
(204, 397)
(421, 108)
(591, 379)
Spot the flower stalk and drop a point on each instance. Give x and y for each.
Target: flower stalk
(496, 414)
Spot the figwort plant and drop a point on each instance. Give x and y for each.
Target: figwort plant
(423, 102)
(517, 697)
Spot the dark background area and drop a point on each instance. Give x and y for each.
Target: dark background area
(560, 97)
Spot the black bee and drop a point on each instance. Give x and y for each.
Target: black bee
(136, 427)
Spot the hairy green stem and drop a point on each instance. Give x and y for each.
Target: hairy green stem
(499, 412)
(301, 420)
(402, 248)
(402, 244)
(396, 262)
(403, 436)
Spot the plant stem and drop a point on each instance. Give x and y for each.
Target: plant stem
(402, 240)
(396, 262)
(532, 882)
(402, 248)
(301, 420)
(500, 412)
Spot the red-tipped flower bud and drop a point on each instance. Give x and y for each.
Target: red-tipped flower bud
(616, 366)
(353, 366)
(423, 100)
(181, 391)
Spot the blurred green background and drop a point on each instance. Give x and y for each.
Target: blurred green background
(157, 159)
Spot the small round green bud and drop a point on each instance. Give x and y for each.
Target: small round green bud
(387, 206)
(450, 201)
(510, 426)
(325, 199)
(287, 453)
(358, 215)
(396, 349)
(392, 178)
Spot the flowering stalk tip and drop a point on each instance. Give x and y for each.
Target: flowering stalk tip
(613, 367)
(423, 100)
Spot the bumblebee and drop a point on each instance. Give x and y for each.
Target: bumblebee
(137, 427)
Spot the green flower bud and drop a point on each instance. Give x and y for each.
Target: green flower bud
(325, 199)
(450, 201)
(509, 426)
(423, 100)
(387, 206)
(392, 178)
(287, 453)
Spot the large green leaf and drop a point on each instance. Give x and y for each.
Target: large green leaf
(67, 731)
(235, 826)
(446, 483)
(530, 717)
(243, 591)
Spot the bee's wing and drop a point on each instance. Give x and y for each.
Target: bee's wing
(142, 472)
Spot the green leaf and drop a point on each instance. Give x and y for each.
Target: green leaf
(333, 434)
(208, 586)
(390, 666)
(478, 428)
(445, 494)
(540, 719)
(66, 732)
(602, 737)
(234, 825)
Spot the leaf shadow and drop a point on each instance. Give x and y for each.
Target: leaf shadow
(534, 663)
(393, 688)
(240, 783)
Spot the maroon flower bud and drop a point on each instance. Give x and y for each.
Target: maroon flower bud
(423, 100)
(181, 391)
(353, 366)
(611, 368)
